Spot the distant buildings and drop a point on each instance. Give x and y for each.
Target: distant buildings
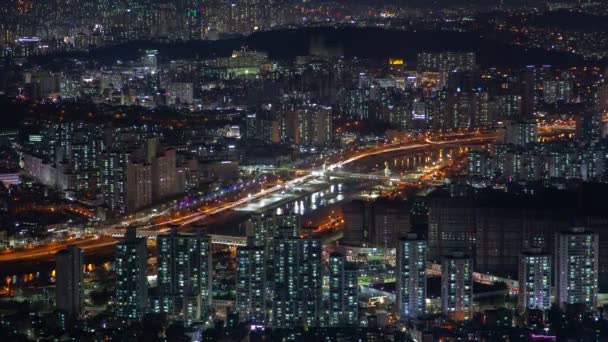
(602, 98)
(446, 61)
(69, 294)
(310, 125)
(131, 276)
(126, 166)
(135, 178)
(519, 133)
(517, 155)
(589, 126)
(558, 90)
(411, 276)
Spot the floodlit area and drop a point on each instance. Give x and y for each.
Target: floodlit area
(284, 196)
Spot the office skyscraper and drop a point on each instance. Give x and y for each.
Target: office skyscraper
(576, 267)
(69, 282)
(343, 292)
(457, 286)
(184, 276)
(411, 276)
(131, 278)
(534, 280)
(251, 301)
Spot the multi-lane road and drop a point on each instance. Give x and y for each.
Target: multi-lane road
(387, 148)
(47, 251)
(91, 243)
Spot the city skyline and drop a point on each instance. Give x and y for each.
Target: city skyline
(303, 170)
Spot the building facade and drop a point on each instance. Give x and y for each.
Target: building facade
(411, 276)
(131, 276)
(457, 286)
(343, 292)
(576, 267)
(69, 281)
(184, 276)
(534, 280)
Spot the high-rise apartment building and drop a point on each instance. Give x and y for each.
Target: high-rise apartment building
(446, 61)
(343, 292)
(457, 286)
(310, 125)
(380, 223)
(133, 178)
(264, 232)
(602, 98)
(297, 280)
(264, 228)
(411, 276)
(184, 276)
(558, 90)
(356, 222)
(69, 281)
(589, 125)
(131, 276)
(519, 133)
(451, 226)
(576, 267)
(534, 280)
(311, 280)
(251, 288)
(391, 220)
(126, 183)
(286, 306)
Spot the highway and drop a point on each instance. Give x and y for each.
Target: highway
(157, 228)
(388, 148)
(48, 251)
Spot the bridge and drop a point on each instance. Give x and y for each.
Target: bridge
(228, 240)
(335, 170)
(119, 232)
(216, 239)
(412, 177)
